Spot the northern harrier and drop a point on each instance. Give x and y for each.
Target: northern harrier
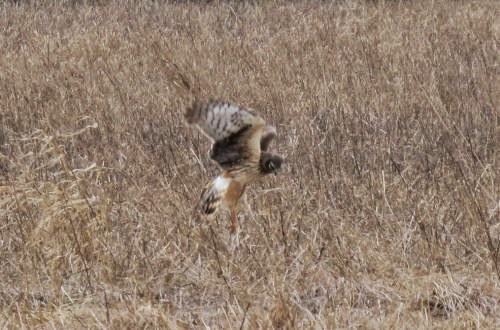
(240, 142)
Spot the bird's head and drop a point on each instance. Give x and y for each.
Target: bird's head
(270, 163)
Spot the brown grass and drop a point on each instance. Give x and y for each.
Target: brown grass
(385, 216)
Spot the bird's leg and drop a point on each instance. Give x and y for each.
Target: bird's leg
(234, 221)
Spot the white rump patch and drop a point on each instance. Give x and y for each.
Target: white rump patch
(221, 184)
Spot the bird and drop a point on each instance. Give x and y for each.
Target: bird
(240, 141)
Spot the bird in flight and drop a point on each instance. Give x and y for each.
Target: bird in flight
(240, 139)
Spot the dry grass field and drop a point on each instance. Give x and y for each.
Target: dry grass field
(386, 214)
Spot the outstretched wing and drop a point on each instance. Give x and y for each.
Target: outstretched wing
(236, 132)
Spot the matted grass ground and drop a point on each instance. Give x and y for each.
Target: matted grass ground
(386, 214)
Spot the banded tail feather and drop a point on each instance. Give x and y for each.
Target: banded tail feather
(213, 194)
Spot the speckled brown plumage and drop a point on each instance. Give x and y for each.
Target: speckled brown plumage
(240, 140)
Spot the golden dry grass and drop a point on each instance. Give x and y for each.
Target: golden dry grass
(385, 216)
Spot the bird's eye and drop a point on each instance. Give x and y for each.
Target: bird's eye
(271, 165)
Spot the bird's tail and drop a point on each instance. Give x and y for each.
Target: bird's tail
(213, 194)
